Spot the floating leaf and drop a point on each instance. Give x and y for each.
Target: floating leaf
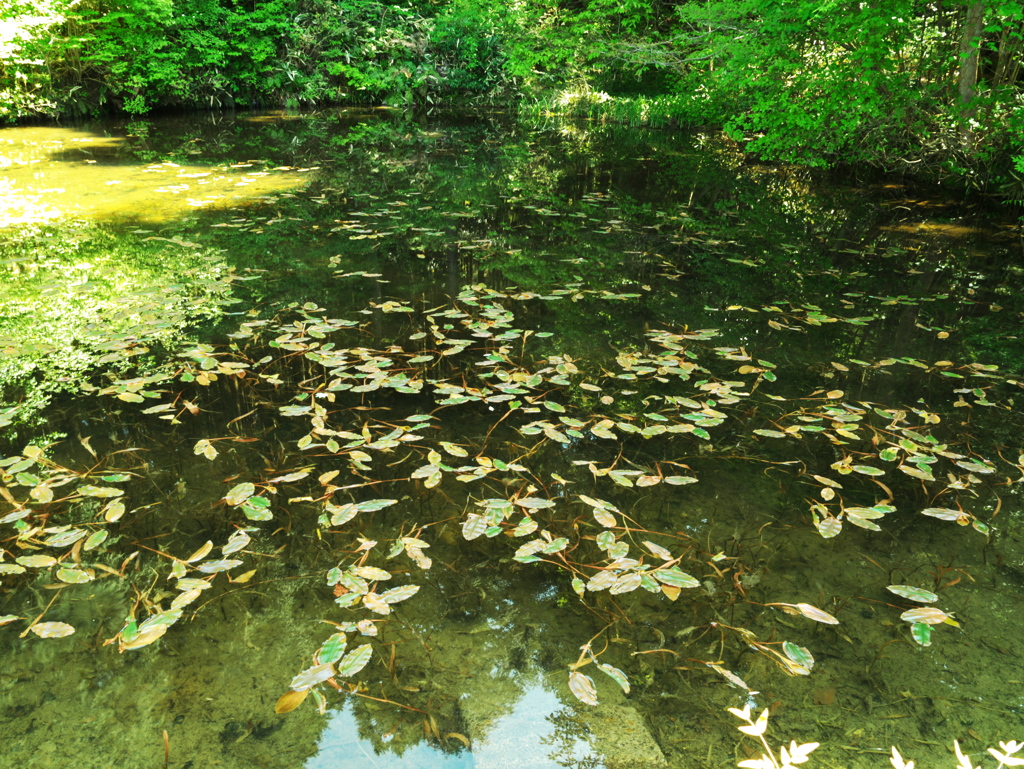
(680, 480)
(615, 674)
(99, 491)
(583, 687)
(473, 526)
(236, 542)
(397, 594)
(526, 526)
(926, 615)
(374, 603)
(200, 553)
(625, 584)
(239, 494)
(139, 640)
(604, 518)
(658, 551)
(213, 567)
(36, 561)
(917, 472)
(921, 633)
(332, 649)
(312, 676)
(800, 655)
(42, 494)
(913, 593)
(74, 576)
(534, 503)
(355, 660)
(96, 539)
(52, 629)
(205, 448)
(290, 700)
(113, 511)
(867, 470)
(257, 509)
(811, 612)
(675, 577)
(829, 526)
(943, 513)
(65, 538)
(370, 572)
(12, 568)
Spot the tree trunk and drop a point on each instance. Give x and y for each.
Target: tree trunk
(967, 78)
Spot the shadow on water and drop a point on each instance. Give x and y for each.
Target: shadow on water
(437, 433)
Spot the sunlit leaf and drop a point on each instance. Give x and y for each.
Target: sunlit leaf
(913, 593)
(675, 576)
(113, 511)
(811, 612)
(355, 660)
(290, 700)
(374, 603)
(680, 480)
(99, 491)
(615, 674)
(200, 553)
(658, 551)
(799, 654)
(626, 583)
(312, 676)
(583, 688)
(473, 526)
(65, 538)
(534, 503)
(867, 470)
(96, 539)
(239, 494)
(213, 567)
(257, 509)
(926, 615)
(36, 561)
(922, 633)
(332, 649)
(236, 542)
(205, 448)
(52, 629)
(397, 594)
(74, 576)
(943, 513)
(371, 573)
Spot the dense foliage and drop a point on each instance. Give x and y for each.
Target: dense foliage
(891, 84)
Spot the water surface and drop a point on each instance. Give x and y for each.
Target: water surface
(475, 334)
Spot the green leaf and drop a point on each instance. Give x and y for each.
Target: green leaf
(312, 676)
(922, 633)
(913, 593)
(616, 675)
(239, 494)
(355, 660)
(257, 509)
(332, 649)
(800, 655)
(675, 577)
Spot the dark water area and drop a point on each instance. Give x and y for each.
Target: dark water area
(348, 440)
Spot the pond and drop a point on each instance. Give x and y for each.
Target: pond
(352, 440)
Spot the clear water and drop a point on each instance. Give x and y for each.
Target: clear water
(594, 239)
